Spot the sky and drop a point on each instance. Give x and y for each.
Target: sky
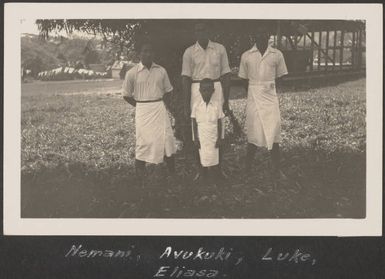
(29, 26)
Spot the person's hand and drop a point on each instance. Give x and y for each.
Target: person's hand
(226, 108)
(197, 144)
(187, 113)
(218, 143)
(130, 100)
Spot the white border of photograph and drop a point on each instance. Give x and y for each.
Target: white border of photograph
(15, 225)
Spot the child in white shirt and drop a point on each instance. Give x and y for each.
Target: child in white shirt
(207, 127)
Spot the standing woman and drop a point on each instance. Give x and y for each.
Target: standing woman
(145, 87)
(205, 59)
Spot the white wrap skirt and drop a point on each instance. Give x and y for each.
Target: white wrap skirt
(263, 119)
(154, 135)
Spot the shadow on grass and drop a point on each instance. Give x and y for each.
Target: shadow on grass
(319, 185)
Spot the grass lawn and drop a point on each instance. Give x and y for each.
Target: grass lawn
(78, 145)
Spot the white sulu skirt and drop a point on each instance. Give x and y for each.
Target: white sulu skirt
(154, 135)
(263, 119)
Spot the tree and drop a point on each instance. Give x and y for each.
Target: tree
(37, 52)
(62, 58)
(91, 57)
(34, 64)
(171, 38)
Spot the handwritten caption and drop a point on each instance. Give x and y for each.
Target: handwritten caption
(183, 263)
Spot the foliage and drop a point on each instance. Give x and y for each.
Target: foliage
(91, 57)
(172, 37)
(35, 64)
(116, 31)
(40, 55)
(37, 55)
(77, 158)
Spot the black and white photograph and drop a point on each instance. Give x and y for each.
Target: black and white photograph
(203, 118)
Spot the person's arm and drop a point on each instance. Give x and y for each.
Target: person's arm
(281, 70)
(225, 82)
(167, 99)
(187, 71)
(219, 138)
(243, 72)
(130, 100)
(278, 82)
(245, 83)
(195, 133)
(128, 89)
(186, 88)
(225, 79)
(168, 89)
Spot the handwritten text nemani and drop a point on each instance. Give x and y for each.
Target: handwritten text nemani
(79, 251)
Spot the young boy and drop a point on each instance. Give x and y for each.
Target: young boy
(207, 128)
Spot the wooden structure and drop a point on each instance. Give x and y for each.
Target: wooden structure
(316, 47)
(311, 47)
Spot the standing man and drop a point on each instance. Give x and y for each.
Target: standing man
(261, 66)
(205, 59)
(146, 86)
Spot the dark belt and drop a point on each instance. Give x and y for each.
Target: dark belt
(150, 101)
(198, 81)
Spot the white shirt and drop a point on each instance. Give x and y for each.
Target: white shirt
(199, 63)
(257, 68)
(207, 117)
(209, 113)
(146, 84)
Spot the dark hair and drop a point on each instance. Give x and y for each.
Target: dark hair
(263, 29)
(141, 42)
(206, 24)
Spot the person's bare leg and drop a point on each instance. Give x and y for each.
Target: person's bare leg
(201, 170)
(172, 178)
(170, 162)
(220, 154)
(140, 169)
(218, 168)
(218, 175)
(205, 174)
(276, 159)
(250, 154)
